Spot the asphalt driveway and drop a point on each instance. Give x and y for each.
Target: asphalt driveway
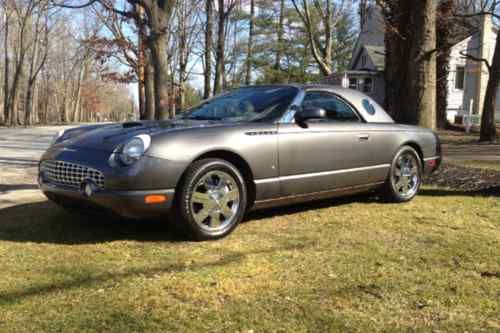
(20, 150)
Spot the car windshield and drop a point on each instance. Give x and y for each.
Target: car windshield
(245, 104)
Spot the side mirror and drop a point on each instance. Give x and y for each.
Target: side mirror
(309, 113)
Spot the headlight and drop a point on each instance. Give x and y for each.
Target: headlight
(56, 137)
(133, 150)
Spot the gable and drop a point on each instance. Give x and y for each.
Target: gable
(370, 58)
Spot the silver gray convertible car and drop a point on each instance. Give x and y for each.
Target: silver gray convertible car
(248, 148)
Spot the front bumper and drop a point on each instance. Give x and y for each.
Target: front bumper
(127, 204)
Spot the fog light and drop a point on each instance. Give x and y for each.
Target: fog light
(88, 188)
(155, 198)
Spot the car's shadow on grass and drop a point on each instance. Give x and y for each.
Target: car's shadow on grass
(309, 206)
(493, 191)
(44, 222)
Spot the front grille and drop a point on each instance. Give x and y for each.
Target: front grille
(70, 174)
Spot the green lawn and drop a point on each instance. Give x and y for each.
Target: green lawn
(345, 265)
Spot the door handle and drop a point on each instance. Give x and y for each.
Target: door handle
(363, 137)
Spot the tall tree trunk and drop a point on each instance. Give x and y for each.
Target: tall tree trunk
(160, 16)
(183, 57)
(14, 95)
(78, 92)
(34, 104)
(444, 30)
(219, 55)
(141, 58)
(14, 109)
(141, 93)
(208, 49)
(249, 62)
(28, 104)
(423, 97)
(149, 91)
(488, 124)
(411, 61)
(279, 32)
(6, 64)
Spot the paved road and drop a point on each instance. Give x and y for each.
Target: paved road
(476, 152)
(20, 150)
(22, 147)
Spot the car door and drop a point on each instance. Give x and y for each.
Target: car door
(327, 154)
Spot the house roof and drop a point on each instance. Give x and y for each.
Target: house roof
(371, 38)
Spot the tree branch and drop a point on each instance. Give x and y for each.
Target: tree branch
(468, 56)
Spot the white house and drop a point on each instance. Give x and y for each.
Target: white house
(467, 79)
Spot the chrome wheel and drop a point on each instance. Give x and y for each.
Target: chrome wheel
(406, 175)
(215, 201)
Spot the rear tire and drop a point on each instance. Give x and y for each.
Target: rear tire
(405, 177)
(210, 200)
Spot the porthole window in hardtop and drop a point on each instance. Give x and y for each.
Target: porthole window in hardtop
(369, 107)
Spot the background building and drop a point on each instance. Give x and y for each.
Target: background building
(467, 79)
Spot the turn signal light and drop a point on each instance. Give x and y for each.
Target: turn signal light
(155, 198)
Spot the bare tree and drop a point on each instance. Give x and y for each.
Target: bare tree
(251, 29)
(483, 8)
(208, 48)
(224, 9)
(320, 34)
(157, 19)
(488, 123)
(188, 28)
(38, 59)
(21, 15)
(7, 14)
(279, 35)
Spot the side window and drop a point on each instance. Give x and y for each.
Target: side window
(336, 109)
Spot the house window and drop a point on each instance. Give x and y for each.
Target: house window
(353, 83)
(362, 84)
(460, 77)
(367, 85)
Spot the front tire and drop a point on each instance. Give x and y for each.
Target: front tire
(405, 176)
(211, 199)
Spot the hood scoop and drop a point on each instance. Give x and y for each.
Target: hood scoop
(132, 124)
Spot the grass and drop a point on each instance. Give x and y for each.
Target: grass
(345, 265)
(487, 165)
(458, 137)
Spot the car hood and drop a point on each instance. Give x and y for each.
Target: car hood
(108, 137)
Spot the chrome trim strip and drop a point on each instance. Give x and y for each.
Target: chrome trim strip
(297, 198)
(319, 174)
(431, 158)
